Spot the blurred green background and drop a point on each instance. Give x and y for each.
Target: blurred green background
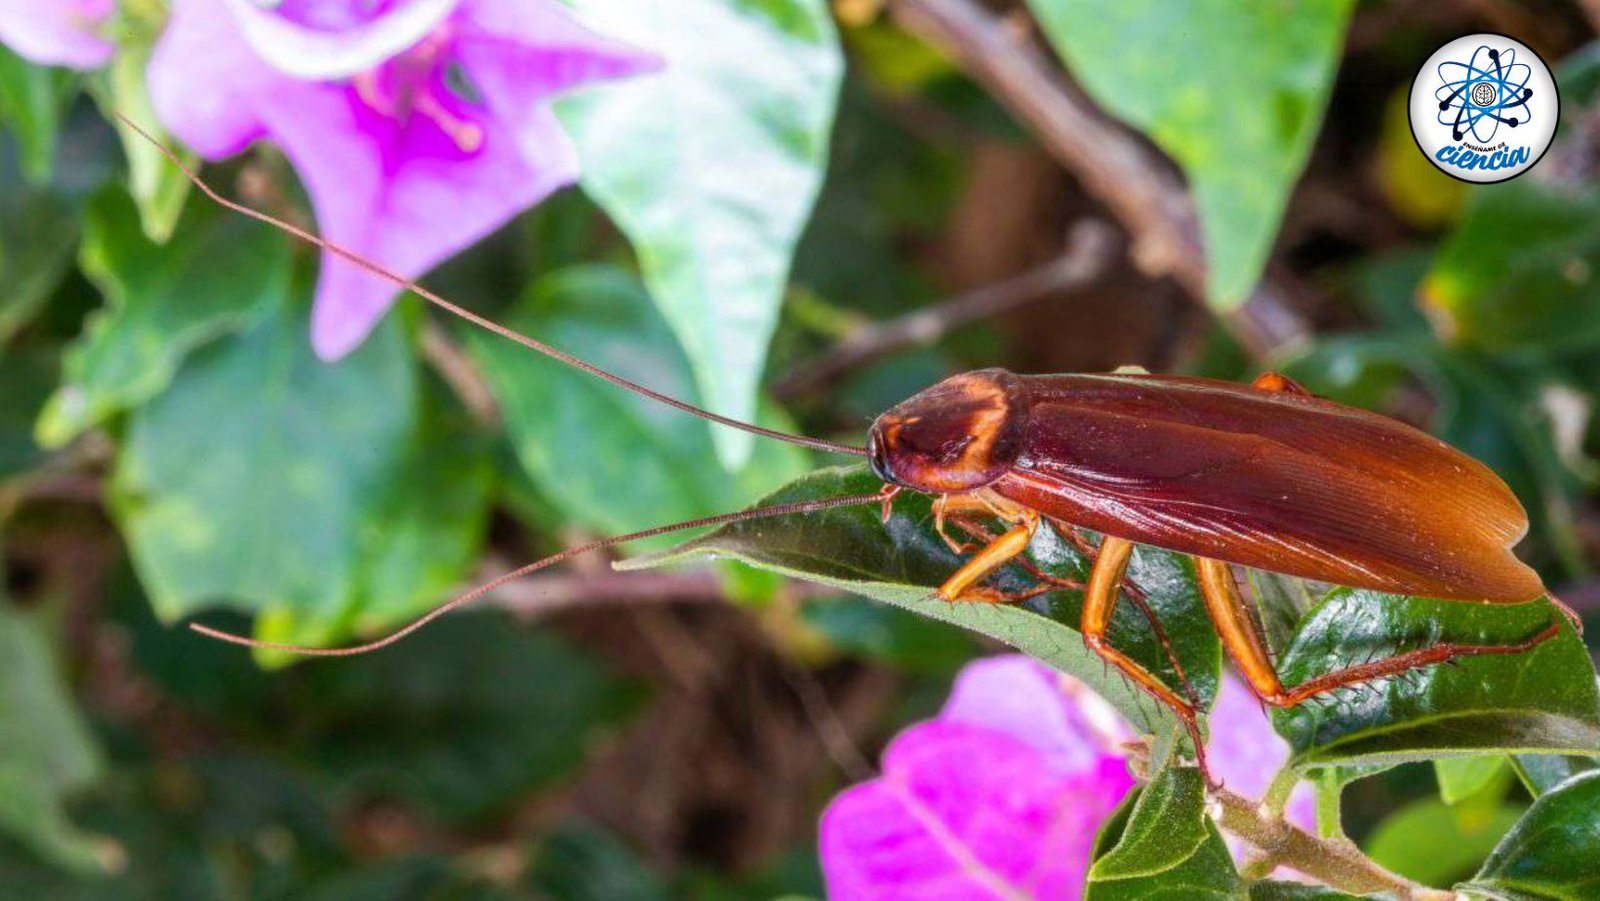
(595, 735)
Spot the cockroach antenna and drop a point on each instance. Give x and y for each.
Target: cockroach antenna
(454, 309)
(827, 503)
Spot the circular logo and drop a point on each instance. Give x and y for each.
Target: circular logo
(1484, 108)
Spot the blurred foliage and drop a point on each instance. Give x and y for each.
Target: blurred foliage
(1234, 92)
(169, 448)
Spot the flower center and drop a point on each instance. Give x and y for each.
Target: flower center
(417, 82)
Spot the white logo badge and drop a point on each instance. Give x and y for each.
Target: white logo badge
(1484, 108)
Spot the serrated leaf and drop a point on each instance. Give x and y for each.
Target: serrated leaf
(903, 561)
(162, 301)
(1168, 849)
(46, 750)
(614, 462)
(1234, 92)
(711, 167)
(1539, 701)
(1549, 855)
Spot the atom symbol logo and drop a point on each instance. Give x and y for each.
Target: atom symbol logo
(1478, 95)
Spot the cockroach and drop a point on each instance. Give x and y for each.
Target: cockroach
(1264, 475)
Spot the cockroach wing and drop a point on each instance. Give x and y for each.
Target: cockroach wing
(1271, 480)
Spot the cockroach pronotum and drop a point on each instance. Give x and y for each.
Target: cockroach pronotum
(1264, 476)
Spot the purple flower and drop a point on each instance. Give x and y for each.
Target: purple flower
(57, 32)
(1001, 794)
(417, 126)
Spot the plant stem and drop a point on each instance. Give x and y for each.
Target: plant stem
(1138, 186)
(1335, 863)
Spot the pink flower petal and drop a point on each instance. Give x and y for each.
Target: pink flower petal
(57, 32)
(328, 40)
(205, 83)
(1012, 693)
(966, 812)
(521, 55)
(404, 195)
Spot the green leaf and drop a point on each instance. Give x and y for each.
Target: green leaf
(38, 229)
(1168, 848)
(1270, 890)
(46, 751)
(903, 561)
(1550, 853)
(582, 862)
(1541, 772)
(33, 101)
(612, 461)
(1436, 844)
(1539, 701)
(710, 167)
(28, 378)
(158, 187)
(892, 635)
(219, 274)
(1519, 270)
(467, 722)
(1462, 778)
(1234, 92)
(262, 479)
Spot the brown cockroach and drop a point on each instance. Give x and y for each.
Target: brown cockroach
(1264, 476)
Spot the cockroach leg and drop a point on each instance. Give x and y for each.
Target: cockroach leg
(1135, 594)
(1099, 601)
(963, 583)
(1247, 649)
(888, 493)
(1277, 381)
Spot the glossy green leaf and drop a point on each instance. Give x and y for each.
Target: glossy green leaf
(1543, 700)
(612, 461)
(710, 167)
(1541, 772)
(1434, 843)
(217, 275)
(1519, 270)
(1550, 853)
(1168, 849)
(266, 480)
(1234, 92)
(46, 750)
(893, 635)
(903, 561)
(33, 101)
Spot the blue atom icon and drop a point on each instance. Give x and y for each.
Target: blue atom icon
(1478, 95)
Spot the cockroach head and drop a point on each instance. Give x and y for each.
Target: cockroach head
(956, 436)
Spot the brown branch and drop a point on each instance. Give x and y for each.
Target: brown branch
(459, 372)
(1088, 253)
(1135, 184)
(1336, 864)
